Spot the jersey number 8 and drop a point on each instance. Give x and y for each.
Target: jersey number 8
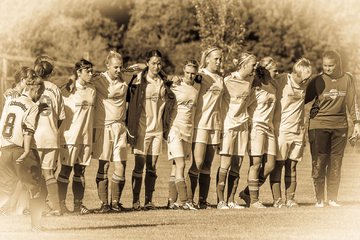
(9, 125)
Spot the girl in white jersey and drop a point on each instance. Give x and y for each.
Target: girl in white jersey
(262, 149)
(76, 136)
(207, 124)
(289, 129)
(47, 134)
(235, 133)
(180, 135)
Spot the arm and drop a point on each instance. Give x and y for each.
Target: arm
(352, 103)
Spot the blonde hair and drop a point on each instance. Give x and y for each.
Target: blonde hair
(268, 63)
(205, 54)
(301, 65)
(113, 54)
(243, 58)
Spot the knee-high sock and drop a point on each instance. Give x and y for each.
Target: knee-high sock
(275, 180)
(102, 181)
(53, 193)
(136, 182)
(204, 185)
(150, 180)
(63, 181)
(191, 184)
(78, 185)
(117, 186)
(233, 180)
(290, 187)
(253, 189)
(173, 194)
(220, 187)
(181, 189)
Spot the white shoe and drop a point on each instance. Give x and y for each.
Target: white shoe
(235, 205)
(319, 204)
(257, 204)
(333, 203)
(188, 206)
(222, 205)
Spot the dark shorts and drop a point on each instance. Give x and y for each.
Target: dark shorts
(29, 172)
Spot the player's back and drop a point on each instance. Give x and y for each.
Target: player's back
(20, 113)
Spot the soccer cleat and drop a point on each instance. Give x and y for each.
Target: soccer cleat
(291, 203)
(333, 203)
(149, 206)
(245, 197)
(257, 204)
(136, 206)
(278, 203)
(117, 207)
(235, 205)
(204, 205)
(53, 213)
(188, 206)
(36, 229)
(82, 210)
(222, 205)
(319, 204)
(172, 205)
(105, 208)
(64, 209)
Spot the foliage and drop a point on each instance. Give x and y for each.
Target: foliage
(160, 25)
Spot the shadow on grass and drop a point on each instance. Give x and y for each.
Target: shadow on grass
(106, 227)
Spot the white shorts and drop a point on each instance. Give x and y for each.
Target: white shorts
(234, 141)
(148, 145)
(79, 154)
(290, 146)
(110, 143)
(262, 142)
(211, 137)
(178, 148)
(48, 157)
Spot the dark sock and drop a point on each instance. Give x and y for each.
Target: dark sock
(136, 182)
(204, 185)
(191, 184)
(150, 180)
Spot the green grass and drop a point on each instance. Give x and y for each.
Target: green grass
(305, 222)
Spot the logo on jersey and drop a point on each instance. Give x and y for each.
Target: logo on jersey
(46, 100)
(188, 104)
(84, 105)
(214, 90)
(334, 93)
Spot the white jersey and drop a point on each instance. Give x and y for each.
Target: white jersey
(110, 100)
(47, 135)
(77, 127)
(236, 97)
(262, 106)
(19, 116)
(182, 116)
(207, 115)
(289, 111)
(153, 108)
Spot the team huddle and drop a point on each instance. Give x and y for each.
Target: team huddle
(253, 110)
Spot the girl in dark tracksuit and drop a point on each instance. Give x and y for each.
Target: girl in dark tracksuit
(334, 93)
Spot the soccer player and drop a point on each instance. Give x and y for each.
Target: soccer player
(180, 134)
(47, 134)
(18, 203)
(19, 159)
(110, 143)
(76, 136)
(235, 134)
(207, 124)
(262, 150)
(289, 129)
(149, 95)
(334, 93)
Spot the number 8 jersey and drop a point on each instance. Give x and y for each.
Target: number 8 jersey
(20, 115)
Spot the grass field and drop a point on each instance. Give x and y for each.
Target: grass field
(305, 222)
